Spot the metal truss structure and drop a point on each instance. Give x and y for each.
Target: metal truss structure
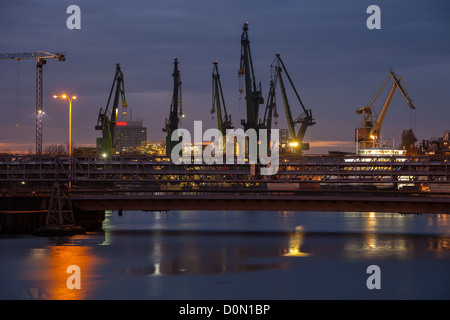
(150, 171)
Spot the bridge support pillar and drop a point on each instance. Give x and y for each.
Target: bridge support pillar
(60, 220)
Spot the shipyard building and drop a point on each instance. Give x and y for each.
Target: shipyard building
(131, 135)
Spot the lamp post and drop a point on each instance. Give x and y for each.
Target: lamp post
(64, 96)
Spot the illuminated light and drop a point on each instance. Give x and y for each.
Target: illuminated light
(157, 271)
(295, 243)
(64, 96)
(104, 155)
(293, 144)
(55, 97)
(74, 97)
(121, 123)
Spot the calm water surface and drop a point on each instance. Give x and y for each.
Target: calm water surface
(236, 255)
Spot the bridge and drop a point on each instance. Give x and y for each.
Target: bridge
(331, 170)
(41, 190)
(415, 184)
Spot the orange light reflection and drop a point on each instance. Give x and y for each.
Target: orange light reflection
(60, 258)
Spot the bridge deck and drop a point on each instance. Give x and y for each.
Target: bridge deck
(402, 202)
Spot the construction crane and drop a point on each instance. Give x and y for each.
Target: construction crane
(253, 93)
(269, 113)
(107, 118)
(41, 59)
(176, 110)
(305, 119)
(218, 101)
(368, 132)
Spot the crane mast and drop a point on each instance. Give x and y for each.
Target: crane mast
(271, 108)
(305, 120)
(368, 132)
(107, 119)
(270, 112)
(41, 59)
(253, 94)
(218, 101)
(175, 109)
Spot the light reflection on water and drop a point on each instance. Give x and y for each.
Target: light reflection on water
(225, 246)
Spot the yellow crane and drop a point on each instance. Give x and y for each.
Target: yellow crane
(368, 132)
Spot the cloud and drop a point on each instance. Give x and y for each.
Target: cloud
(336, 63)
(331, 143)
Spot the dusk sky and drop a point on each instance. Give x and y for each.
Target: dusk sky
(336, 62)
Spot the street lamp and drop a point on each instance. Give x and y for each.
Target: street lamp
(64, 96)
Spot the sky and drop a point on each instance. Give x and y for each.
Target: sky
(336, 62)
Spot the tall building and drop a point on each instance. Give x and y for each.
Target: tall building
(133, 134)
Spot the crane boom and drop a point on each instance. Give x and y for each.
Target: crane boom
(107, 119)
(253, 93)
(368, 132)
(397, 84)
(305, 119)
(218, 101)
(32, 55)
(40, 57)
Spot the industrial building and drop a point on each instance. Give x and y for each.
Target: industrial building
(130, 134)
(436, 146)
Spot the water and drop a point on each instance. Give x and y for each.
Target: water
(236, 255)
